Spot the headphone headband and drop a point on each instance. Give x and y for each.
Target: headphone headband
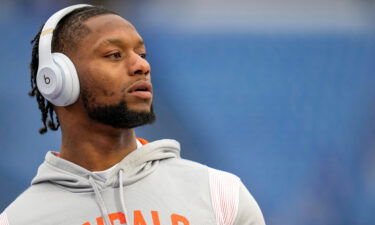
(45, 39)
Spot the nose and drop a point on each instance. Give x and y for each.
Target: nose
(139, 66)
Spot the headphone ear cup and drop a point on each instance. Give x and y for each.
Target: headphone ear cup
(70, 82)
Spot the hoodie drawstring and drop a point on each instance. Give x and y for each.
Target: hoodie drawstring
(100, 202)
(121, 189)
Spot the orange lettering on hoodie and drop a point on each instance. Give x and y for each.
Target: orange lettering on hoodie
(112, 217)
(99, 221)
(117, 216)
(138, 218)
(178, 218)
(155, 217)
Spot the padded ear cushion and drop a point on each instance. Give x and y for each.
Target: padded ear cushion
(70, 82)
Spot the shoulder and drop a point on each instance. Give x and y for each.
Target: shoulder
(18, 205)
(196, 171)
(219, 178)
(192, 176)
(184, 164)
(231, 201)
(189, 169)
(22, 209)
(224, 189)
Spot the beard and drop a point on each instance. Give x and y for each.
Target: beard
(116, 115)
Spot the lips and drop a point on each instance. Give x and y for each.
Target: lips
(141, 89)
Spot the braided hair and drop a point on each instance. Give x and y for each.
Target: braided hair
(66, 36)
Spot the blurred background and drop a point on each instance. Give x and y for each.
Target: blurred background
(280, 93)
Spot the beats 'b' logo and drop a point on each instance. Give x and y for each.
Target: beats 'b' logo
(47, 80)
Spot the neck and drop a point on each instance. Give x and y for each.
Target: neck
(95, 146)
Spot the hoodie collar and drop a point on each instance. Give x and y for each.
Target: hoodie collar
(135, 166)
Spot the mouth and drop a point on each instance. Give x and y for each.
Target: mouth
(141, 89)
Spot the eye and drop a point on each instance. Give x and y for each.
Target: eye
(114, 55)
(143, 55)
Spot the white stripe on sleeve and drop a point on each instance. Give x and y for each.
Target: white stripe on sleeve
(224, 195)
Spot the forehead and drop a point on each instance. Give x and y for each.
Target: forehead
(107, 21)
(110, 26)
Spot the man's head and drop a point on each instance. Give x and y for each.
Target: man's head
(109, 56)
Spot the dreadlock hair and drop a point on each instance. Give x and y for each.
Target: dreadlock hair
(66, 36)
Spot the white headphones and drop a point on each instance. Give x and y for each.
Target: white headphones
(57, 78)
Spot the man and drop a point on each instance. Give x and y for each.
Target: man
(103, 174)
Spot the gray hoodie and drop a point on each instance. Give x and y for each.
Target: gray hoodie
(150, 186)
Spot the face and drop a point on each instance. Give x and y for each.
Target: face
(114, 74)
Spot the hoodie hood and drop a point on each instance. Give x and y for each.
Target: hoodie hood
(135, 166)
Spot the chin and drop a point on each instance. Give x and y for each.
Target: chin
(140, 108)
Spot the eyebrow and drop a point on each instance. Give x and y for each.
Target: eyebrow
(118, 42)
